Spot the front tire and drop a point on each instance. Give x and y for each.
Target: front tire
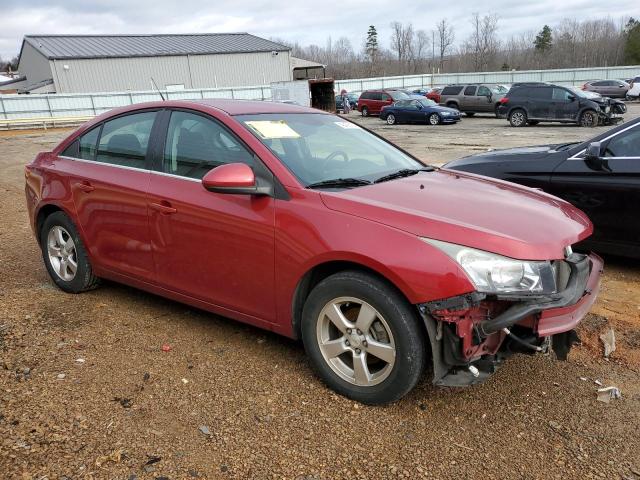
(588, 119)
(363, 338)
(434, 119)
(518, 118)
(64, 255)
(391, 119)
(365, 112)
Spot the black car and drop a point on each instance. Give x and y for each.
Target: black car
(600, 176)
(530, 104)
(418, 110)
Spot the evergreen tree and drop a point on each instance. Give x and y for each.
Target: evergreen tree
(632, 42)
(543, 40)
(371, 46)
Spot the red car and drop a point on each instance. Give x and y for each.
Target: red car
(434, 94)
(371, 102)
(300, 222)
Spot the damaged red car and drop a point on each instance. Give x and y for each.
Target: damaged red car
(303, 223)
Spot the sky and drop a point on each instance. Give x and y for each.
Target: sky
(301, 21)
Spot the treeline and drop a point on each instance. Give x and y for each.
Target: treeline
(9, 65)
(570, 44)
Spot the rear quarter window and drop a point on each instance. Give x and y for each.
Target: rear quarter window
(451, 90)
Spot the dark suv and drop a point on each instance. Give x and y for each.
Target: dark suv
(531, 104)
(372, 101)
(473, 98)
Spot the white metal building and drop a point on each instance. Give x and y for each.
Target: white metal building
(108, 63)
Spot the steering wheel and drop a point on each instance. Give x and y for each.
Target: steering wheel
(332, 156)
(335, 154)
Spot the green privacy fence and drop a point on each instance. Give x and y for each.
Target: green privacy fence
(77, 105)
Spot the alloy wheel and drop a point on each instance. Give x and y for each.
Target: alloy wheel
(434, 119)
(61, 250)
(391, 119)
(517, 119)
(356, 341)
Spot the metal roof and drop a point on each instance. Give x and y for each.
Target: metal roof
(119, 46)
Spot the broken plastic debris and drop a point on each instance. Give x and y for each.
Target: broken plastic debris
(166, 347)
(607, 394)
(204, 429)
(597, 382)
(609, 340)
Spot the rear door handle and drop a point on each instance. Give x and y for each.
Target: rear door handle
(85, 187)
(163, 207)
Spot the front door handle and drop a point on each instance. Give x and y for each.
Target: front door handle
(85, 187)
(163, 207)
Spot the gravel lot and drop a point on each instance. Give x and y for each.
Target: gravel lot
(86, 390)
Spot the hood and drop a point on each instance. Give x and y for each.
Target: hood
(538, 152)
(470, 210)
(438, 108)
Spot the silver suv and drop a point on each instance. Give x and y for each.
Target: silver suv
(472, 98)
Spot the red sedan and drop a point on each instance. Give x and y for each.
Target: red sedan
(300, 222)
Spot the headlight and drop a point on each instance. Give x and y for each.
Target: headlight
(445, 113)
(493, 273)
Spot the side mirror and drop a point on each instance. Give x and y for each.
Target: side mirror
(571, 98)
(232, 178)
(419, 105)
(593, 157)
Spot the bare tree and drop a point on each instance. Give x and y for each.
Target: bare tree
(445, 38)
(483, 42)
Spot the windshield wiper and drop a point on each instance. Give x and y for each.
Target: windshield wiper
(405, 172)
(565, 146)
(340, 182)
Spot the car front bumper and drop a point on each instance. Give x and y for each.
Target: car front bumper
(472, 334)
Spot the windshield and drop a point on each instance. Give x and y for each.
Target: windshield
(499, 89)
(584, 94)
(426, 102)
(320, 147)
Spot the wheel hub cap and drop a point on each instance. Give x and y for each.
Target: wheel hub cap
(61, 251)
(356, 341)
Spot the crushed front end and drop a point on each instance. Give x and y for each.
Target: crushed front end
(472, 334)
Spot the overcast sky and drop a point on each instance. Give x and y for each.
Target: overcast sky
(295, 20)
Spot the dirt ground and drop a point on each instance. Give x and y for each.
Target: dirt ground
(86, 390)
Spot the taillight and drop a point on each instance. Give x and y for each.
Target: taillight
(504, 100)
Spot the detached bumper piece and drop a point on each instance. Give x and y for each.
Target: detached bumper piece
(471, 335)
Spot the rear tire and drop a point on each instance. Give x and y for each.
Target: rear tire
(452, 105)
(470, 114)
(391, 119)
(365, 112)
(496, 111)
(434, 119)
(64, 255)
(349, 316)
(518, 118)
(533, 122)
(588, 119)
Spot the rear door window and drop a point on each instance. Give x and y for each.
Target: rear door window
(540, 93)
(88, 144)
(453, 90)
(124, 140)
(484, 91)
(470, 90)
